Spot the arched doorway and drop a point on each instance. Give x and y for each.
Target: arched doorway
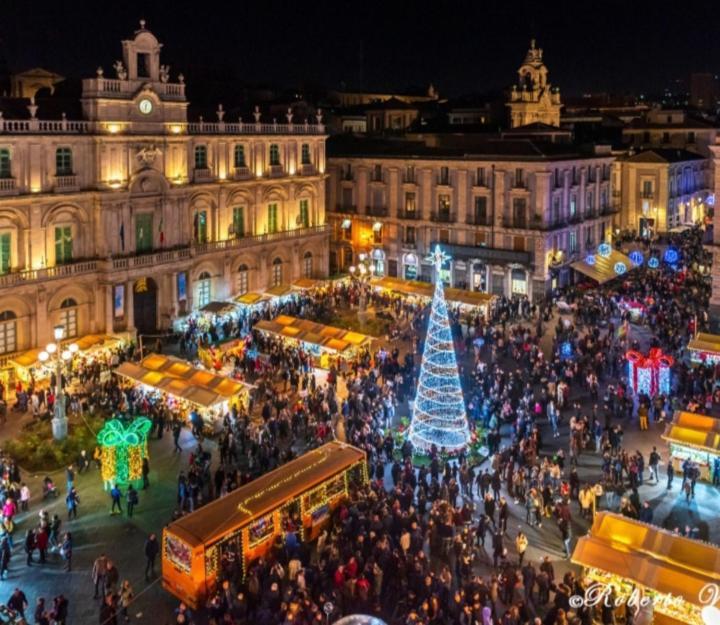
(145, 305)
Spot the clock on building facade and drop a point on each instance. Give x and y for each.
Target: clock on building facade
(145, 106)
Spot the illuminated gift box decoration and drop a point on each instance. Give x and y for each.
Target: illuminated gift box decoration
(649, 375)
(123, 449)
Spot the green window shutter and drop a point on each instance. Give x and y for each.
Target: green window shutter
(5, 164)
(63, 244)
(239, 156)
(272, 218)
(239, 221)
(4, 253)
(143, 232)
(304, 214)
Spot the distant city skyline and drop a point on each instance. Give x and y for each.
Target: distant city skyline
(461, 47)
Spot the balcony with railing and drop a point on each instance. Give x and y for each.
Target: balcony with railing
(66, 183)
(377, 211)
(446, 217)
(8, 186)
(77, 268)
(210, 247)
(575, 218)
(308, 169)
(203, 174)
(519, 223)
(276, 171)
(244, 128)
(478, 220)
(242, 173)
(406, 214)
(116, 88)
(346, 209)
(647, 195)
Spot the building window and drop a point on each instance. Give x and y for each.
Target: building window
(305, 154)
(272, 223)
(666, 137)
(201, 161)
(238, 221)
(518, 282)
(69, 317)
(519, 244)
(143, 65)
(480, 210)
(590, 202)
(443, 203)
(204, 289)
(519, 178)
(691, 137)
(63, 245)
(557, 178)
(307, 265)
(277, 272)
(143, 232)
(410, 174)
(556, 210)
(377, 173)
(519, 207)
(5, 240)
(304, 216)
(8, 332)
(239, 155)
(480, 177)
(444, 176)
(410, 204)
(647, 188)
(5, 163)
(480, 239)
(377, 233)
(573, 246)
(573, 206)
(200, 227)
(63, 162)
(444, 236)
(242, 280)
(274, 155)
(410, 235)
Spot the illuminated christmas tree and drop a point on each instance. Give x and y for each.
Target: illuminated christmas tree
(439, 416)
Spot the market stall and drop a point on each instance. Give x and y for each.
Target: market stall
(248, 521)
(423, 291)
(308, 284)
(327, 343)
(27, 364)
(604, 266)
(188, 387)
(250, 299)
(215, 356)
(705, 349)
(668, 568)
(694, 437)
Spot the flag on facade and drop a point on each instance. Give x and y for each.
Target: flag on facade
(122, 236)
(161, 231)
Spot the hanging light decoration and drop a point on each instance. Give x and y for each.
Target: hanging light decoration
(637, 258)
(620, 268)
(604, 249)
(653, 262)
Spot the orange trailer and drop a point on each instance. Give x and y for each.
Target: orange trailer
(249, 520)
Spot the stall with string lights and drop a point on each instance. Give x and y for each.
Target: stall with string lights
(694, 437)
(649, 375)
(300, 495)
(633, 557)
(704, 349)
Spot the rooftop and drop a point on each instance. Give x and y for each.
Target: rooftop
(664, 155)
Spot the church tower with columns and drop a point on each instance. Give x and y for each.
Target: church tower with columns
(533, 100)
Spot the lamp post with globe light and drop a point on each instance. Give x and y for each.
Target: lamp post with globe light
(60, 355)
(363, 273)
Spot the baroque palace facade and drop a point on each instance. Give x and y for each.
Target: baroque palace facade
(132, 215)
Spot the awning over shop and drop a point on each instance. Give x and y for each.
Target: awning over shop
(218, 308)
(649, 556)
(705, 343)
(250, 299)
(694, 430)
(304, 284)
(327, 337)
(603, 268)
(181, 380)
(86, 343)
(281, 290)
(426, 289)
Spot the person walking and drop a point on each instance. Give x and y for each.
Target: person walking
(66, 551)
(521, 545)
(108, 616)
(99, 570)
(5, 555)
(146, 473)
(152, 548)
(653, 462)
(72, 500)
(126, 597)
(30, 545)
(132, 500)
(176, 430)
(564, 526)
(115, 495)
(670, 474)
(18, 602)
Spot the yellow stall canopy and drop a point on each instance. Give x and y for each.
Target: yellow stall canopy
(603, 268)
(649, 556)
(251, 299)
(304, 284)
(181, 380)
(425, 290)
(281, 290)
(86, 343)
(707, 343)
(694, 430)
(327, 337)
(218, 308)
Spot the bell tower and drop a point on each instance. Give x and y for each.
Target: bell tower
(533, 99)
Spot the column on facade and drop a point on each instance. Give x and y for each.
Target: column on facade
(43, 329)
(109, 299)
(130, 305)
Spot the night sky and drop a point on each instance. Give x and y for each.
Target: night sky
(462, 47)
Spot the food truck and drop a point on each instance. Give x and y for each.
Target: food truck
(250, 520)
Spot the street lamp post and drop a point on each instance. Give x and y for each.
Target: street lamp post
(55, 351)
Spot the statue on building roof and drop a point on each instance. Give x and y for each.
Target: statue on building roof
(164, 73)
(120, 70)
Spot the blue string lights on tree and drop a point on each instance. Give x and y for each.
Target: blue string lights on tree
(439, 416)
